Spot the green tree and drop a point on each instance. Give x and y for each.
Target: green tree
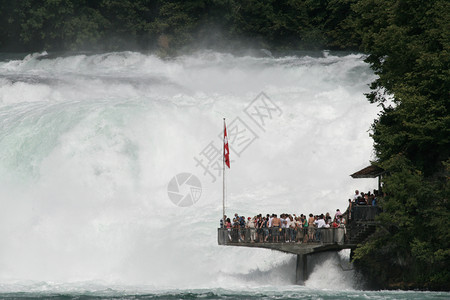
(32, 25)
(129, 23)
(408, 46)
(9, 25)
(339, 25)
(58, 24)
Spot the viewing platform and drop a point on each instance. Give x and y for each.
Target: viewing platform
(330, 239)
(359, 228)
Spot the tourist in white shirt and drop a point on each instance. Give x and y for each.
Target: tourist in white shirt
(252, 228)
(270, 220)
(320, 223)
(356, 196)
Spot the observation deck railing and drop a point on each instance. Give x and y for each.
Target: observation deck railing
(236, 236)
(361, 224)
(364, 212)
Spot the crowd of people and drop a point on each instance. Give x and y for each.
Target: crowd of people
(287, 228)
(361, 198)
(290, 228)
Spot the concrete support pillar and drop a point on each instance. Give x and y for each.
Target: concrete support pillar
(301, 269)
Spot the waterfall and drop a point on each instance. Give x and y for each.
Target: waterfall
(90, 143)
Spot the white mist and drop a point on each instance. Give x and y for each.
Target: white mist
(88, 145)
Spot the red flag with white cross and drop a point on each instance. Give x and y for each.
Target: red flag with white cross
(226, 150)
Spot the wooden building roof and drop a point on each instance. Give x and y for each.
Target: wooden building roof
(368, 172)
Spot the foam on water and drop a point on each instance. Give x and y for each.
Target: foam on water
(332, 271)
(88, 145)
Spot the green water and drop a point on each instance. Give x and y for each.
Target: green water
(266, 292)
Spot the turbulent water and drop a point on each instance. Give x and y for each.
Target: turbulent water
(90, 143)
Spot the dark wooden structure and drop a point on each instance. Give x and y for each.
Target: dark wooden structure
(370, 172)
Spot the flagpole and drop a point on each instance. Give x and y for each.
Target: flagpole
(223, 164)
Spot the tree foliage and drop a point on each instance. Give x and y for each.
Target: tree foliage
(31, 25)
(408, 46)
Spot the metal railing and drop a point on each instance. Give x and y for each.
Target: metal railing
(364, 212)
(281, 235)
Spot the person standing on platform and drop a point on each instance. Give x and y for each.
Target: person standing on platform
(283, 226)
(265, 227)
(305, 228)
(337, 214)
(252, 228)
(276, 226)
(319, 223)
(222, 225)
(269, 225)
(311, 228)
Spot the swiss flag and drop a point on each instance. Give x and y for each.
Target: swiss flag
(226, 150)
